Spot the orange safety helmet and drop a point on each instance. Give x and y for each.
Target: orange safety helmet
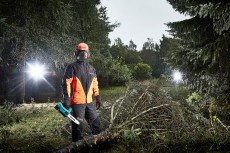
(82, 46)
(82, 53)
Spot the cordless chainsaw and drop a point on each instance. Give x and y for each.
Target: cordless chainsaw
(66, 112)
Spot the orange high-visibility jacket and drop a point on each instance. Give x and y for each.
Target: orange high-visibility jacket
(80, 83)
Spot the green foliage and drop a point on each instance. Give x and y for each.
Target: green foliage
(142, 71)
(203, 51)
(193, 98)
(92, 24)
(29, 25)
(119, 50)
(149, 45)
(102, 66)
(125, 54)
(38, 130)
(132, 46)
(154, 55)
(9, 115)
(218, 11)
(42, 129)
(71, 22)
(119, 74)
(176, 93)
(110, 71)
(132, 58)
(132, 134)
(48, 32)
(179, 131)
(148, 55)
(112, 92)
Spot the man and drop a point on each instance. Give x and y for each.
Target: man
(79, 85)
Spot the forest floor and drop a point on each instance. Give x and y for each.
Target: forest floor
(145, 117)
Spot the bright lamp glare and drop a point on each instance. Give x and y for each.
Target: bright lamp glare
(36, 71)
(177, 76)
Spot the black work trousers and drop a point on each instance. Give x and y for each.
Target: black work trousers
(87, 111)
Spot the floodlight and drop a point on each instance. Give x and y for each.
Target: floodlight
(177, 76)
(36, 71)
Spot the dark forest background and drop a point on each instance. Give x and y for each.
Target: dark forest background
(48, 32)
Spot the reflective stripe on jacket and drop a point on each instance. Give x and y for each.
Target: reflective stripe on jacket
(80, 83)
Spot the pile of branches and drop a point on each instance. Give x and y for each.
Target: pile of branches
(145, 111)
(143, 108)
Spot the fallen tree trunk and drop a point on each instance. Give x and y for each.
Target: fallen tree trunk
(87, 142)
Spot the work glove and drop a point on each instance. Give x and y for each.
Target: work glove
(66, 102)
(98, 101)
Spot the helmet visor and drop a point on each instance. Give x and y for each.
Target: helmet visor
(83, 55)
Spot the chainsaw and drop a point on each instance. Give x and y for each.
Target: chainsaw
(66, 112)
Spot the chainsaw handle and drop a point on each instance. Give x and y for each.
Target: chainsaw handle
(62, 109)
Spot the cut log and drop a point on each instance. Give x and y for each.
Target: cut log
(87, 142)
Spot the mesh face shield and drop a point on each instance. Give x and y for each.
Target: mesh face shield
(83, 55)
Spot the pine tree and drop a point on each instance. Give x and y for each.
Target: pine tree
(48, 31)
(204, 54)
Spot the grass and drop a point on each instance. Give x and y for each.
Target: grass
(42, 130)
(38, 130)
(177, 93)
(112, 92)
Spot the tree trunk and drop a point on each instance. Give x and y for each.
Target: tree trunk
(87, 142)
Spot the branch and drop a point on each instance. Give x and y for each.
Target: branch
(140, 98)
(133, 118)
(113, 117)
(225, 126)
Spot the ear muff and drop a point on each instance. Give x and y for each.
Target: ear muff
(88, 54)
(75, 52)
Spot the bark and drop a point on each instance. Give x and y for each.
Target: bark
(87, 142)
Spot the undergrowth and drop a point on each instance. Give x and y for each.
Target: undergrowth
(38, 130)
(44, 129)
(31, 130)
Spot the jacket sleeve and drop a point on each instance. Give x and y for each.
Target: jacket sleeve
(66, 84)
(95, 86)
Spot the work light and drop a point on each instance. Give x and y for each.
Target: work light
(36, 71)
(177, 76)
